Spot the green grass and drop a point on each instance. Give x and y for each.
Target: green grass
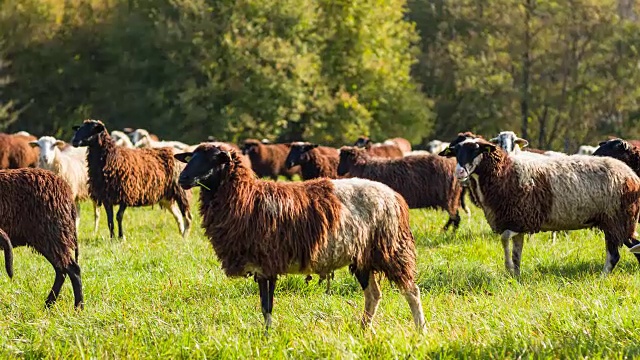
(155, 295)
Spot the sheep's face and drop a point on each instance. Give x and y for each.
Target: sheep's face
(298, 154)
(48, 148)
(469, 155)
(349, 156)
(87, 133)
(362, 141)
(509, 141)
(205, 166)
(250, 147)
(616, 148)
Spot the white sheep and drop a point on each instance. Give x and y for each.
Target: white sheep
(121, 139)
(586, 150)
(71, 165)
(436, 146)
(142, 139)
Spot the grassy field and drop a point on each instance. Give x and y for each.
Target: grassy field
(155, 295)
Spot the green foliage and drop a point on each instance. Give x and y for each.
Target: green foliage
(326, 71)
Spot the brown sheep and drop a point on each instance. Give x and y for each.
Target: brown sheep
(268, 160)
(267, 228)
(131, 177)
(15, 151)
(313, 163)
(391, 151)
(38, 211)
(426, 181)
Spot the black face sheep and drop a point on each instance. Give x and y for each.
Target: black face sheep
(268, 160)
(37, 210)
(424, 181)
(131, 177)
(313, 163)
(520, 195)
(267, 228)
(386, 150)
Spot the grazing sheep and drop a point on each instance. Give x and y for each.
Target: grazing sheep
(142, 139)
(436, 146)
(391, 151)
(71, 166)
(15, 152)
(266, 228)
(423, 181)
(268, 160)
(520, 195)
(131, 177)
(586, 150)
(313, 163)
(38, 211)
(121, 139)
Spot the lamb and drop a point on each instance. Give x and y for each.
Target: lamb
(267, 228)
(390, 151)
(520, 195)
(38, 211)
(268, 160)
(121, 139)
(15, 152)
(131, 177)
(423, 181)
(71, 166)
(313, 162)
(586, 150)
(142, 139)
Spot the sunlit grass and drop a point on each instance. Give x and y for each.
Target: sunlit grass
(155, 295)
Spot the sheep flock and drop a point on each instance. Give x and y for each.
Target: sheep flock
(274, 209)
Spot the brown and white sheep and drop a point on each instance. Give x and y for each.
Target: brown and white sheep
(15, 151)
(313, 162)
(267, 228)
(131, 177)
(391, 151)
(37, 210)
(71, 165)
(268, 160)
(520, 195)
(424, 181)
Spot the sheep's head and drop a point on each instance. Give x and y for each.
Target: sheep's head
(251, 146)
(616, 148)
(298, 153)
(509, 141)
(48, 148)
(362, 141)
(206, 166)
(469, 154)
(87, 133)
(140, 138)
(349, 156)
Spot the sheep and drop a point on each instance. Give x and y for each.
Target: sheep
(71, 166)
(436, 146)
(131, 177)
(520, 195)
(313, 162)
(142, 139)
(268, 160)
(586, 150)
(402, 143)
(38, 211)
(135, 136)
(267, 228)
(515, 145)
(391, 151)
(15, 151)
(121, 139)
(423, 181)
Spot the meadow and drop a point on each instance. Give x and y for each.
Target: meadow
(156, 295)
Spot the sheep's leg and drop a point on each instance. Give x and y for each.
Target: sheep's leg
(372, 296)
(613, 255)
(554, 235)
(267, 286)
(175, 211)
(518, 242)
(73, 270)
(96, 217)
(55, 289)
(330, 277)
(108, 208)
(186, 214)
(119, 217)
(77, 216)
(412, 294)
(505, 237)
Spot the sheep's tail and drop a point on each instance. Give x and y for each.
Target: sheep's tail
(8, 252)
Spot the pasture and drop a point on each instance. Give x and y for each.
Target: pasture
(155, 295)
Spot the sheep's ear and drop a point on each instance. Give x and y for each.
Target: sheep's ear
(60, 144)
(602, 143)
(447, 152)
(522, 142)
(494, 140)
(183, 157)
(34, 144)
(76, 128)
(127, 130)
(224, 157)
(313, 146)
